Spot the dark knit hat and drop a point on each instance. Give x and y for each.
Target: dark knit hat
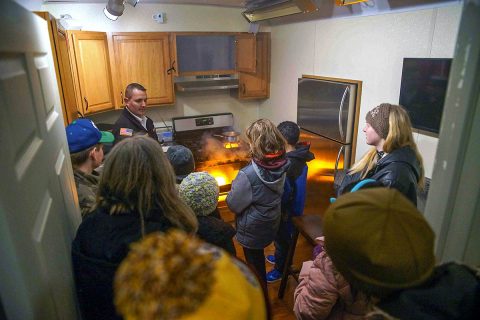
(290, 131)
(379, 241)
(378, 119)
(182, 161)
(200, 191)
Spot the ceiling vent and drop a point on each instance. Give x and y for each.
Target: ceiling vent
(258, 10)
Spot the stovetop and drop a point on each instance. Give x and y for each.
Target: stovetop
(208, 148)
(197, 134)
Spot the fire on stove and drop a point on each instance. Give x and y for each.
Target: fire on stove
(222, 160)
(203, 135)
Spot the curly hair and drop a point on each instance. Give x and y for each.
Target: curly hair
(264, 139)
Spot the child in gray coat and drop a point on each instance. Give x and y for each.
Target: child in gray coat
(257, 190)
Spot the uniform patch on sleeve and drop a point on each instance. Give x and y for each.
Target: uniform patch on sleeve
(126, 132)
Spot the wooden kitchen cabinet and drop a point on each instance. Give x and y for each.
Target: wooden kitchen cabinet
(90, 65)
(143, 57)
(63, 72)
(246, 47)
(254, 84)
(65, 69)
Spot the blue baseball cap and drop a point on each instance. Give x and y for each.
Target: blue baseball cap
(83, 134)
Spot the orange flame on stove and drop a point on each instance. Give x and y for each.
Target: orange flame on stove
(221, 180)
(223, 177)
(231, 145)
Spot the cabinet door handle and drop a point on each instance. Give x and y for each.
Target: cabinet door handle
(86, 102)
(243, 88)
(172, 68)
(121, 97)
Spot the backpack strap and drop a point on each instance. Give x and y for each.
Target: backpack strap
(360, 184)
(356, 187)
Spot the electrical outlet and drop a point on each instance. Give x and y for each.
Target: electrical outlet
(159, 17)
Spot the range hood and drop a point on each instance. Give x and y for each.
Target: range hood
(206, 82)
(258, 10)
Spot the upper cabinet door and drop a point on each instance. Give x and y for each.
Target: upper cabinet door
(256, 84)
(91, 70)
(144, 58)
(66, 79)
(246, 52)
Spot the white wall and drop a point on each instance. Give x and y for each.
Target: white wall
(370, 49)
(178, 18)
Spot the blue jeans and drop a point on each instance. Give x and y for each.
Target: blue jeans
(282, 241)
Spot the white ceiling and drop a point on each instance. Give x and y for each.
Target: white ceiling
(223, 3)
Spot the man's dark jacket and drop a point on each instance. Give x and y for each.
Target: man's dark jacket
(128, 121)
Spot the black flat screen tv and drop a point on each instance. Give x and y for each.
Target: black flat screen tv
(422, 91)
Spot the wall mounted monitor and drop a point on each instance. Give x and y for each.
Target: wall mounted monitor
(422, 92)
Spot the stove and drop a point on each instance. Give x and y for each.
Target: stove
(202, 135)
(211, 153)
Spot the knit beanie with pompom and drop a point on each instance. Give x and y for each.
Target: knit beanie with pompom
(177, 276)
(200, 191)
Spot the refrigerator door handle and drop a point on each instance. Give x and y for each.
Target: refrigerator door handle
(340, 125)
(338, 159)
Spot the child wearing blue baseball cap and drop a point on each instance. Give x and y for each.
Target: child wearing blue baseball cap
(85, 143)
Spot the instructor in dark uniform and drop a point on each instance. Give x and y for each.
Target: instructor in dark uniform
(132, 120)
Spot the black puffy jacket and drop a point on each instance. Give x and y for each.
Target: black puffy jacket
(214, 230)
(101, 243)
(399, 169)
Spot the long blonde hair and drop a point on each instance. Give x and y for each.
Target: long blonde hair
(137, 177)
(264, 139)
(399, 135)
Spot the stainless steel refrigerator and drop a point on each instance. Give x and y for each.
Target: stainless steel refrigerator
(326, 116)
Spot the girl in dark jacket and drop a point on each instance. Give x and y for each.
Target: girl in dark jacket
(394, 159)
(256, 192)
(136, 196)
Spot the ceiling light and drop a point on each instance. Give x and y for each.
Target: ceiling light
(114, 9)
(279, 9)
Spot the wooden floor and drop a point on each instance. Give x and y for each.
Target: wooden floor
(282, 309)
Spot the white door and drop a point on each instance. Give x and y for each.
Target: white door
(38, 211)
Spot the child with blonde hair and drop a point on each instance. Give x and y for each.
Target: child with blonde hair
(257, 190)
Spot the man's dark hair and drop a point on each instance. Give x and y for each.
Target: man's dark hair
(290, 131)
(131, 87)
